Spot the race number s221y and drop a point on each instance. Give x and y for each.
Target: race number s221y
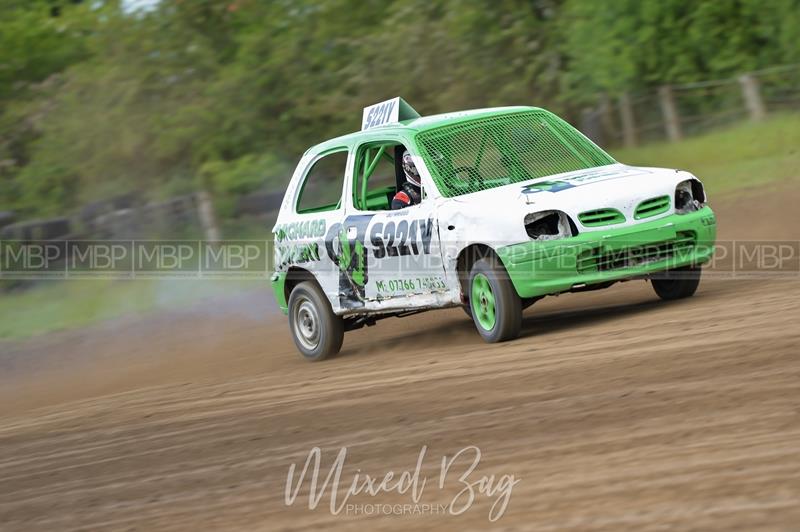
(401, 238)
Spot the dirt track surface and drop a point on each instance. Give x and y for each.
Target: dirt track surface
(613, 411)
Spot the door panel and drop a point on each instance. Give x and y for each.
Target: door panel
(404, 257)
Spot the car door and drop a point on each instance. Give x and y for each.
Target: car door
(396, 253)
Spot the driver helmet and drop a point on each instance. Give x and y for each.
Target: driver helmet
(410, 169)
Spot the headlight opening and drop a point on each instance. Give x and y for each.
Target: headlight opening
(549, 225)
(689, 196)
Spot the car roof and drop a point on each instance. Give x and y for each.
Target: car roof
(416, 125)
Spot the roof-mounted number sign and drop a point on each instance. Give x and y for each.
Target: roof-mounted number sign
(388, 112)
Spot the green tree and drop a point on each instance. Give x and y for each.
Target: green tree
(38, 40)
(226, 94)
(614, 45)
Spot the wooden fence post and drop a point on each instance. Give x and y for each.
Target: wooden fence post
(205, 210)
(607, 119)
(672, 122)
(752, 97)
(626, 118)
(591, 126)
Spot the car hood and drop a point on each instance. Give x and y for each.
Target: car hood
(617, 186)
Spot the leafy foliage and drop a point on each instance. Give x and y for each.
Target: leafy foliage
(97, 99)
(613, 45)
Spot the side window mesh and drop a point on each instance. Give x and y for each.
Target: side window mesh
(489, 152)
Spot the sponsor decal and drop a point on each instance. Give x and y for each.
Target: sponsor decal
(344, 244)
(547, 186)
(603, 173)
(346, 247)
(286, 254)
(300, 230)
(575, 180)
(417, 284)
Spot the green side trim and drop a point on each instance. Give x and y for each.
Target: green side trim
(550, 267)
(278, 281)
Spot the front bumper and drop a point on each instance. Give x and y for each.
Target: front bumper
(550, 267)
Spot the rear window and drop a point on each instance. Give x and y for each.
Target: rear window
(489, 152)
(322, 186)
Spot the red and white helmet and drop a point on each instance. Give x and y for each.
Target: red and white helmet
(410, 169)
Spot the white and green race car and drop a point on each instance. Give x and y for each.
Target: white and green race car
(515, 204)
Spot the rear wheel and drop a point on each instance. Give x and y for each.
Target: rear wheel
(317, 332)
(496, 307)
(677, 283)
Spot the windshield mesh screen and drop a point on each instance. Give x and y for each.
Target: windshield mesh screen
(499, 150)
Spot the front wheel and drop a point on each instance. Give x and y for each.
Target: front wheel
(496, 307)
(525, 302)
(677, 283)
(317, 332)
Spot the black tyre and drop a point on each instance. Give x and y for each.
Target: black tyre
(677, 283)
(496, 307)
(524, 303)
(317, 332)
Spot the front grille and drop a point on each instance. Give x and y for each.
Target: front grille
(600, 217)
(595, 260)
(651, 207)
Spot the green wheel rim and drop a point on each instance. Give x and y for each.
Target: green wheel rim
(482, 301)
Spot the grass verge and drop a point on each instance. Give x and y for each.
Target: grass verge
(58, 305)
(741, 156)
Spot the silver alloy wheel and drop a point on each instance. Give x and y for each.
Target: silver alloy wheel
(306, 324)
